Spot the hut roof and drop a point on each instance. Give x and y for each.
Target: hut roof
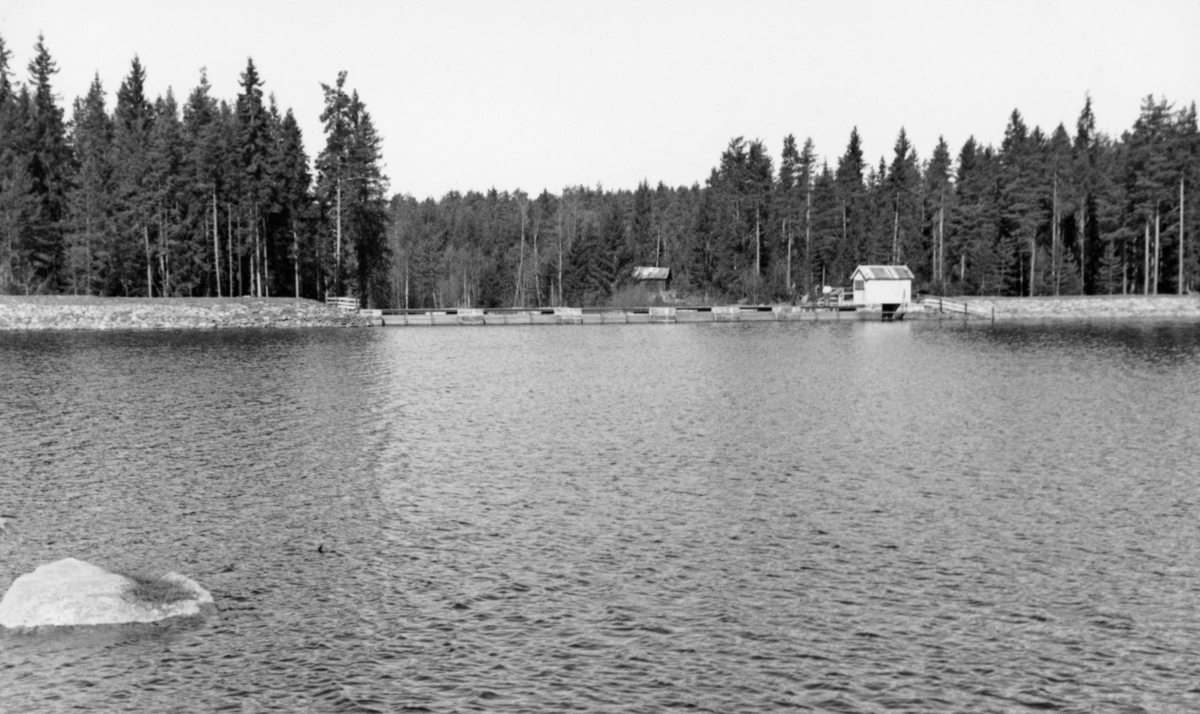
(883, 272)
(651, 273)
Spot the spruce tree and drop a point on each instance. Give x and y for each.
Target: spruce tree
(1187, 251)
(5, 76)
(332, 166)
(806, 176)
(1085, 166)
(879, 211)
(614, 259)
(1019, 218)
(641, 231)
(761, 176)
(351, 188)
(582, 282)
(1117, 237)
(204, 181)
(292, 182)
(48, 165)
(165, 157)
(1062, 195)
(939, 193)
(1151, 182)
(789, 209)
(904, 187)
(15, 203)
(972, 225)
(851, 202)
(829, 221)
(90, 196)
(253, 150)
(727, 222)
(130, 263)
(369, 205)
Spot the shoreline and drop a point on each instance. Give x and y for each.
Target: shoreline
(71, 312)
(1075, 307)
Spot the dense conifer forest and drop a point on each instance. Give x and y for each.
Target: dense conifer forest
(218, 197)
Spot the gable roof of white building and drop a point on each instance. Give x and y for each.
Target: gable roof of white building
(883, 272)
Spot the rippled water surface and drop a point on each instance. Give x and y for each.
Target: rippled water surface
(850, 517)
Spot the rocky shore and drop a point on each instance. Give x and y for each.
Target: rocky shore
(1082, 307)
(66, 312)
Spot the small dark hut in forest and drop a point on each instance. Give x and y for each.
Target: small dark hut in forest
(653, 280)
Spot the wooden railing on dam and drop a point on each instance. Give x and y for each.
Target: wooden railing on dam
(349, 304)
(613, 315)
(936, 303)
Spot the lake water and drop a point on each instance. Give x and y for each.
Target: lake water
(845, 517)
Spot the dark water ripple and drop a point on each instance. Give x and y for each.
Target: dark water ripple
(847, 517)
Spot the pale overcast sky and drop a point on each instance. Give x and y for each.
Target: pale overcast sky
(541, 95)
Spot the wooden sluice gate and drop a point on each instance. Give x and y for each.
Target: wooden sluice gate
(616, 316)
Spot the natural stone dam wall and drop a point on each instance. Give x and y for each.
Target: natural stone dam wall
(1132, 307)
(64, 312)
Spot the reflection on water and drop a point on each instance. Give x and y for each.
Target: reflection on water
(731, 517)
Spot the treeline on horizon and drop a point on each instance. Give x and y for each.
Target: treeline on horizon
(217, 198)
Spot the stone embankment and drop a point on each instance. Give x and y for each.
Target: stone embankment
(1122, 307)
(65, 312)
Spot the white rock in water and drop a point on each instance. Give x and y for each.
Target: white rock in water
(72, 592)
